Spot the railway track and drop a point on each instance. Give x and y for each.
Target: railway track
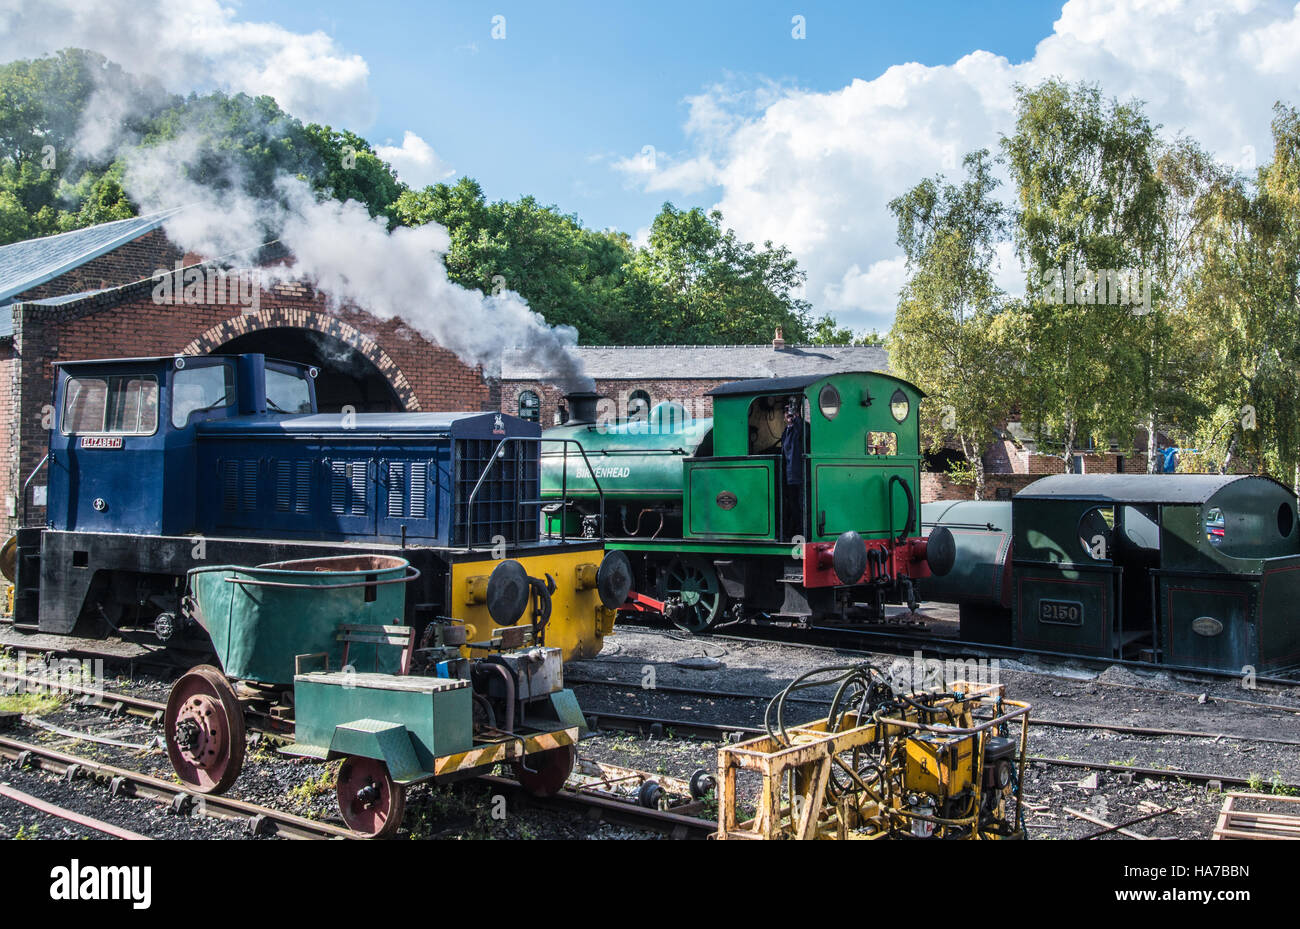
(597, 808)
(122, 782)
(955, 649)
(657, 726)
(1036, 721)
(603, 809)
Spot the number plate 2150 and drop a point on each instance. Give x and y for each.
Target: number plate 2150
(1060, 612)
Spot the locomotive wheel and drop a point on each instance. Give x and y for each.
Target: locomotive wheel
(693, 582)
(204, 730)
(551, 769)
(371, 802)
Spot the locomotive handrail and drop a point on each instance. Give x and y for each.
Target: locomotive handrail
(415, 572)
(22, 517)
(564, 486)
(911, 507)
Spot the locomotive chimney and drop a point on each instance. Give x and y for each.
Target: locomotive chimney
(582, 407)
(778, 340)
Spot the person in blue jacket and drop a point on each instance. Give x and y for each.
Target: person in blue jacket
(792, 441)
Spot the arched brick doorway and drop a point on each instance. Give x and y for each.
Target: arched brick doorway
(355, 371)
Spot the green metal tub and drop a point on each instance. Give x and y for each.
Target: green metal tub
(260, 619)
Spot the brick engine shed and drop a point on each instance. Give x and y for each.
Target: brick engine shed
(95, 293)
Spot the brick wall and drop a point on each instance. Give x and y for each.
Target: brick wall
(692, 393)
(936, 486)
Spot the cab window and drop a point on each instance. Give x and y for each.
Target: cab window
(125, 404)
(1095, 532)
(200, 390)
(286, 392)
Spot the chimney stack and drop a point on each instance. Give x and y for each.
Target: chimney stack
(581, 407)
(778, 340)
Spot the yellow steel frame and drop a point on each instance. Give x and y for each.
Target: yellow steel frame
(797, 798)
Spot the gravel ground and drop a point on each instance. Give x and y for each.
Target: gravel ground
(645, 656)
(466, 810)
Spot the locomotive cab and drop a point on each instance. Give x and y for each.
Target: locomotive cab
(123, 436)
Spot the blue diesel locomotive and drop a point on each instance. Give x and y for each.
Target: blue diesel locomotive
(160, 465)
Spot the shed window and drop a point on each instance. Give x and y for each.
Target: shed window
(638, 405)
(530, 406)
(126, 404)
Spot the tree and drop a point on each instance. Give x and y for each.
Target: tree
(1245, 292)
(947, 337)
(695, 283)
(1087, 233)
(49, 180)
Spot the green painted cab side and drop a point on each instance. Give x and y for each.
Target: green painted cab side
(853, 449)
(731, 498)
(852, 495)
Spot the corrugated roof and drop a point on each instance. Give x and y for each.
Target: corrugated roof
(1133, 488)
(706, 362)
(24, 265)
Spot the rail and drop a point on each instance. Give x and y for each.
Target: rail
(260, 820)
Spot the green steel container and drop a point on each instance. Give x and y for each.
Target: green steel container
(260, 619)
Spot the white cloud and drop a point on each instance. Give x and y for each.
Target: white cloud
(199, 45)
(415, 161)
(816, 170)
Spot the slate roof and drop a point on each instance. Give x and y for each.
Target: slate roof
(706, 362)
(24, 265)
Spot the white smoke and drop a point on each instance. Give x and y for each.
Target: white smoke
(349, 256)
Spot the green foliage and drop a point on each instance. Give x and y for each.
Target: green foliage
(698, 284)
(1089, 202)
(47, 183)
(949, 336)
(1243, 295)
(570, 274)
(694, 283)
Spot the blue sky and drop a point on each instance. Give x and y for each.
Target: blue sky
(573, 86)
(608, 110)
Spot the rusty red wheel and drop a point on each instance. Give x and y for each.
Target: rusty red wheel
(371, 802)
(550, 769)
(204, 730)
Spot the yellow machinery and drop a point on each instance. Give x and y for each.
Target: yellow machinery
(883, 764)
